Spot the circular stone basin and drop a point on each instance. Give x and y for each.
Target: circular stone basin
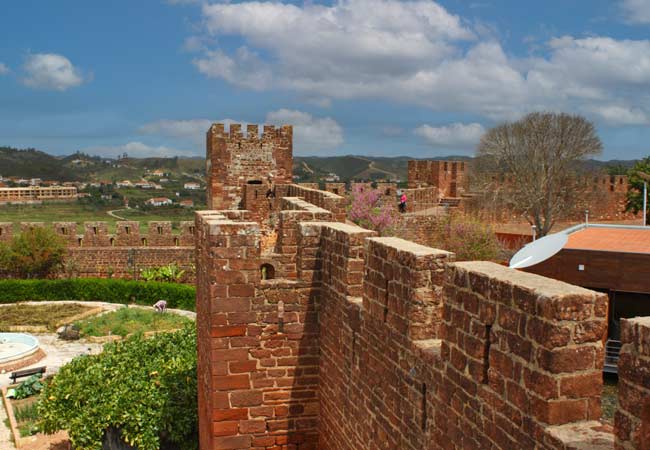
(15, 346)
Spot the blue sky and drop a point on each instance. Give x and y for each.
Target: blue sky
(375, 77)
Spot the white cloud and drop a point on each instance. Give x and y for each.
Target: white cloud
(417, 52)
(244, 68)
(636, 11)
(619, 115)
(311, 134)
(3, 69)
(455, 135)
(51, 71)
(192, 129)
(137, 149)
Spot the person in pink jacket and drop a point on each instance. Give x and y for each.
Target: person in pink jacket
(402, 203)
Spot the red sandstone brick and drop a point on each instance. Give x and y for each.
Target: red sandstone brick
(583, 385)
(227, 428)
(220, 400)
(224, 331)
(242, 366)
(219, 415)
(557, 412)
(246, 398)
(231, 442)
(231, 382)
(232, 305)
(241, 290)
(566, 359)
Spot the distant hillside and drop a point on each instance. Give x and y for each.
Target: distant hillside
(31, 163)
(312, 168)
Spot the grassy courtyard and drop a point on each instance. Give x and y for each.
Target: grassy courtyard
(125, 321)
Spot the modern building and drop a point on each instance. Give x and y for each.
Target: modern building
(34, 194)
(159, 201)
(614, 259)
(192, 186)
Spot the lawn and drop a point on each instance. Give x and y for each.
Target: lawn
(126, 321)
(48, 316)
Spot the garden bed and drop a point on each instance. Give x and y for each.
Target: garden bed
(42, 318)
(128, 321)
(23, 418)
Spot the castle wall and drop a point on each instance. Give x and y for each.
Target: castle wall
(234, 160)
(336, 188)
(420, 199)
(257, 346)
(450, 177)
(98, 253)
(392, 346)
(331, 202)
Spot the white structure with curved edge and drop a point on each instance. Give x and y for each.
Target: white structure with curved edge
(15, 346)
(539, 250)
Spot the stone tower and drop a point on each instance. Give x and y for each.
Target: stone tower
(235, 162)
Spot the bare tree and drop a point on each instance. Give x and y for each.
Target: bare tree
(531, 166)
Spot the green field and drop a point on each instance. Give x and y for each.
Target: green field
(80, 213)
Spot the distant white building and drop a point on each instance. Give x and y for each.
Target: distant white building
(159, 201)
(192, 186)
(124, 184)
(332, 177)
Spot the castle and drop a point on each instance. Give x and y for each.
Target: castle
(334, 338)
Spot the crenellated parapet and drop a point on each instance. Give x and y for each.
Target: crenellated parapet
(127, 233)
(383, 343)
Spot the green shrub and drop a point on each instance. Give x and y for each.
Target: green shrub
(179, 296)
(35, 253)
(145, 388)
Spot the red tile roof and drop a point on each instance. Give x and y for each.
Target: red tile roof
(627, 240)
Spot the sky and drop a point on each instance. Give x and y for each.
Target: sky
(367, 77)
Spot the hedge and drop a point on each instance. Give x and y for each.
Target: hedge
(179, 296)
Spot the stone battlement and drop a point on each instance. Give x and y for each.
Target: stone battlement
(127, 233)
(361, 342)
(236, 133)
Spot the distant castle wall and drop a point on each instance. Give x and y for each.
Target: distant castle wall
(94, 252)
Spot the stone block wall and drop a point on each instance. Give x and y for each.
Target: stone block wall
(420, 199)
(633, 415)
(391, 345)
(258, 345)
(336, 204)
(336, 188)
(450, 177)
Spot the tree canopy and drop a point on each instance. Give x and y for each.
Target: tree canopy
(532, 165)
(639, 174)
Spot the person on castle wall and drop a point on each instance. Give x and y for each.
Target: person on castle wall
(270, 193)
(402, 203)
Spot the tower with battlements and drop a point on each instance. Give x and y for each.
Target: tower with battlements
(238, 162)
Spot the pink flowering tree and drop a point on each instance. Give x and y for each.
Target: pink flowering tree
(369, 210)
